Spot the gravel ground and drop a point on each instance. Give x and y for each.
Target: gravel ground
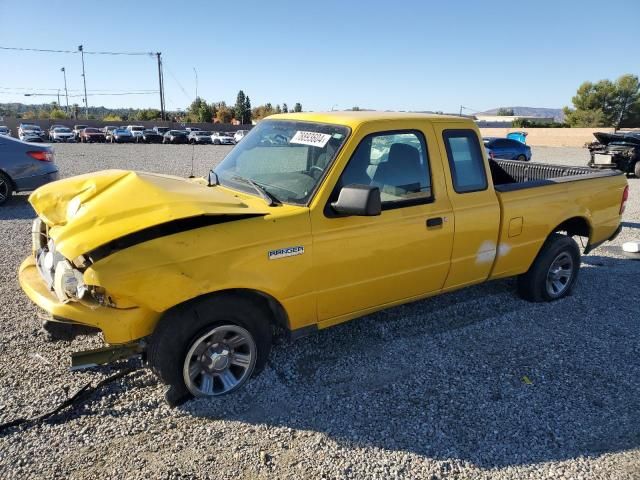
(472, 384)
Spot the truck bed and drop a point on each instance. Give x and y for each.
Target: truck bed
(509, 175)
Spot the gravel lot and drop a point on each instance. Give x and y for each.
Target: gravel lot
(434, 389)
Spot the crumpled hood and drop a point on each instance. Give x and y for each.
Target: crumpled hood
(88, 211)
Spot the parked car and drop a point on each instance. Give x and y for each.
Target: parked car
(51, 129)
(222, 138)
(92, 135)
(6, 131)
(161, 130)
(149, 136)
(175, 136)
(24, 167)
(107, 131)
(201, 273)
(136, 131)
(508, 149)
(32, 137)
(199, 137)
(77, 129)
(28, 130)
(619, 150)
(120, 135)
(62, 134)
(191, 129)
(239, 135)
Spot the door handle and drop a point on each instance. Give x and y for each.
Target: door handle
(434, 222)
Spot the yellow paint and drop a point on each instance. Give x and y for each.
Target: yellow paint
(351, 266)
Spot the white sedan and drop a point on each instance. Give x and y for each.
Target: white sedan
(62, 134)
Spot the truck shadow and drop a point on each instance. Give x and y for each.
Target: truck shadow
(478, 375)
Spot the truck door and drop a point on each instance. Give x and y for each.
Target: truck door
(475, 205)
(363, 263)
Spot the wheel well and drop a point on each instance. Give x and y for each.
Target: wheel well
(575, 226)
(277, 315)
(11, 182)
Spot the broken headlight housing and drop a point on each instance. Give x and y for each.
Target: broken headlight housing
(63, 277)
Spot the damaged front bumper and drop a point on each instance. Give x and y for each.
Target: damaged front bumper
(118, 325)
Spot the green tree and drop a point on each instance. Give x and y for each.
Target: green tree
(204, 114)
(112, 118)
(297, 107)
(240, 108)
(247, 109)
(606, 103)
(57, 114)
(355, 109)
(29, 115)
(505, 112)
(278, 109)
(285, 109)
(194, 108)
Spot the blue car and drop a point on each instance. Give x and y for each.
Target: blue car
(508, 148)
(24, 166)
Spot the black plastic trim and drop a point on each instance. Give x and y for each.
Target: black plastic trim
(163, 230)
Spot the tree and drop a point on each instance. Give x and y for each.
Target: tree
(223, 113)
(606, 103)
(75, 109)
(240, 108)
(297, 107)
(29, 115)
(278, 109)
(355, 109)
(247, 108)
(204, 114)
(285, 109)
(262, 111)
(57, 114)
(147, 114)
(505, 112)
(194, 109)
(112, 118)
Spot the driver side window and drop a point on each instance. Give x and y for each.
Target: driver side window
(396, 163)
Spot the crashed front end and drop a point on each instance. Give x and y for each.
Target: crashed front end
(57, 285)
(618, 151)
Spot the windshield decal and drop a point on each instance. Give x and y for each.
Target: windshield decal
(313, 139)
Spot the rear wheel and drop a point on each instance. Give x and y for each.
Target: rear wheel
(554, 271)
(210, 347)
(636, 169)
(6, 188)
(522, 158)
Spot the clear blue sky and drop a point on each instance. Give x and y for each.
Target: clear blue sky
(397, 55)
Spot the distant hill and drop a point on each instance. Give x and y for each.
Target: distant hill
(556, 113)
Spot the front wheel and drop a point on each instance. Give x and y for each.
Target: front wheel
(554, 271)
(522, 158)
(210, 347)
(636, 169)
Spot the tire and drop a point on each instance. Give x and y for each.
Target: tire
(522, 158)
(182, 329)
(6, 188)
(636, 169)
(553, 273)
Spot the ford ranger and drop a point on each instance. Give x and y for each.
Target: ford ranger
(312, 220)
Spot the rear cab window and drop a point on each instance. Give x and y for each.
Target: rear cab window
(465, 161)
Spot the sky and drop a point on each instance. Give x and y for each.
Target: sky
(393, 55)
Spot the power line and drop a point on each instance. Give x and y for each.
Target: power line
(48, 50)
(81, 95)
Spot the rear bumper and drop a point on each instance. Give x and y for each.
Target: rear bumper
(119, 326)
(31, 183)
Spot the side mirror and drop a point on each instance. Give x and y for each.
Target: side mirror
(358, 200)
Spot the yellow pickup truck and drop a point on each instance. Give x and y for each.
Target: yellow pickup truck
(312, 220)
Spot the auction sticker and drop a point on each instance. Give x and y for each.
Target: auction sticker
(314, 139)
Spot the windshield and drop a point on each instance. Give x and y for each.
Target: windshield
(284, 157)
(62, 130)
(137, 129)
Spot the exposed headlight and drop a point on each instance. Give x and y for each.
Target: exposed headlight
(68, 283)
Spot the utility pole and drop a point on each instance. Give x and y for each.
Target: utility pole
(161, 85)
(461, 107)
(84, 79)
(58, 98)
(66, 93)
(196, 72)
